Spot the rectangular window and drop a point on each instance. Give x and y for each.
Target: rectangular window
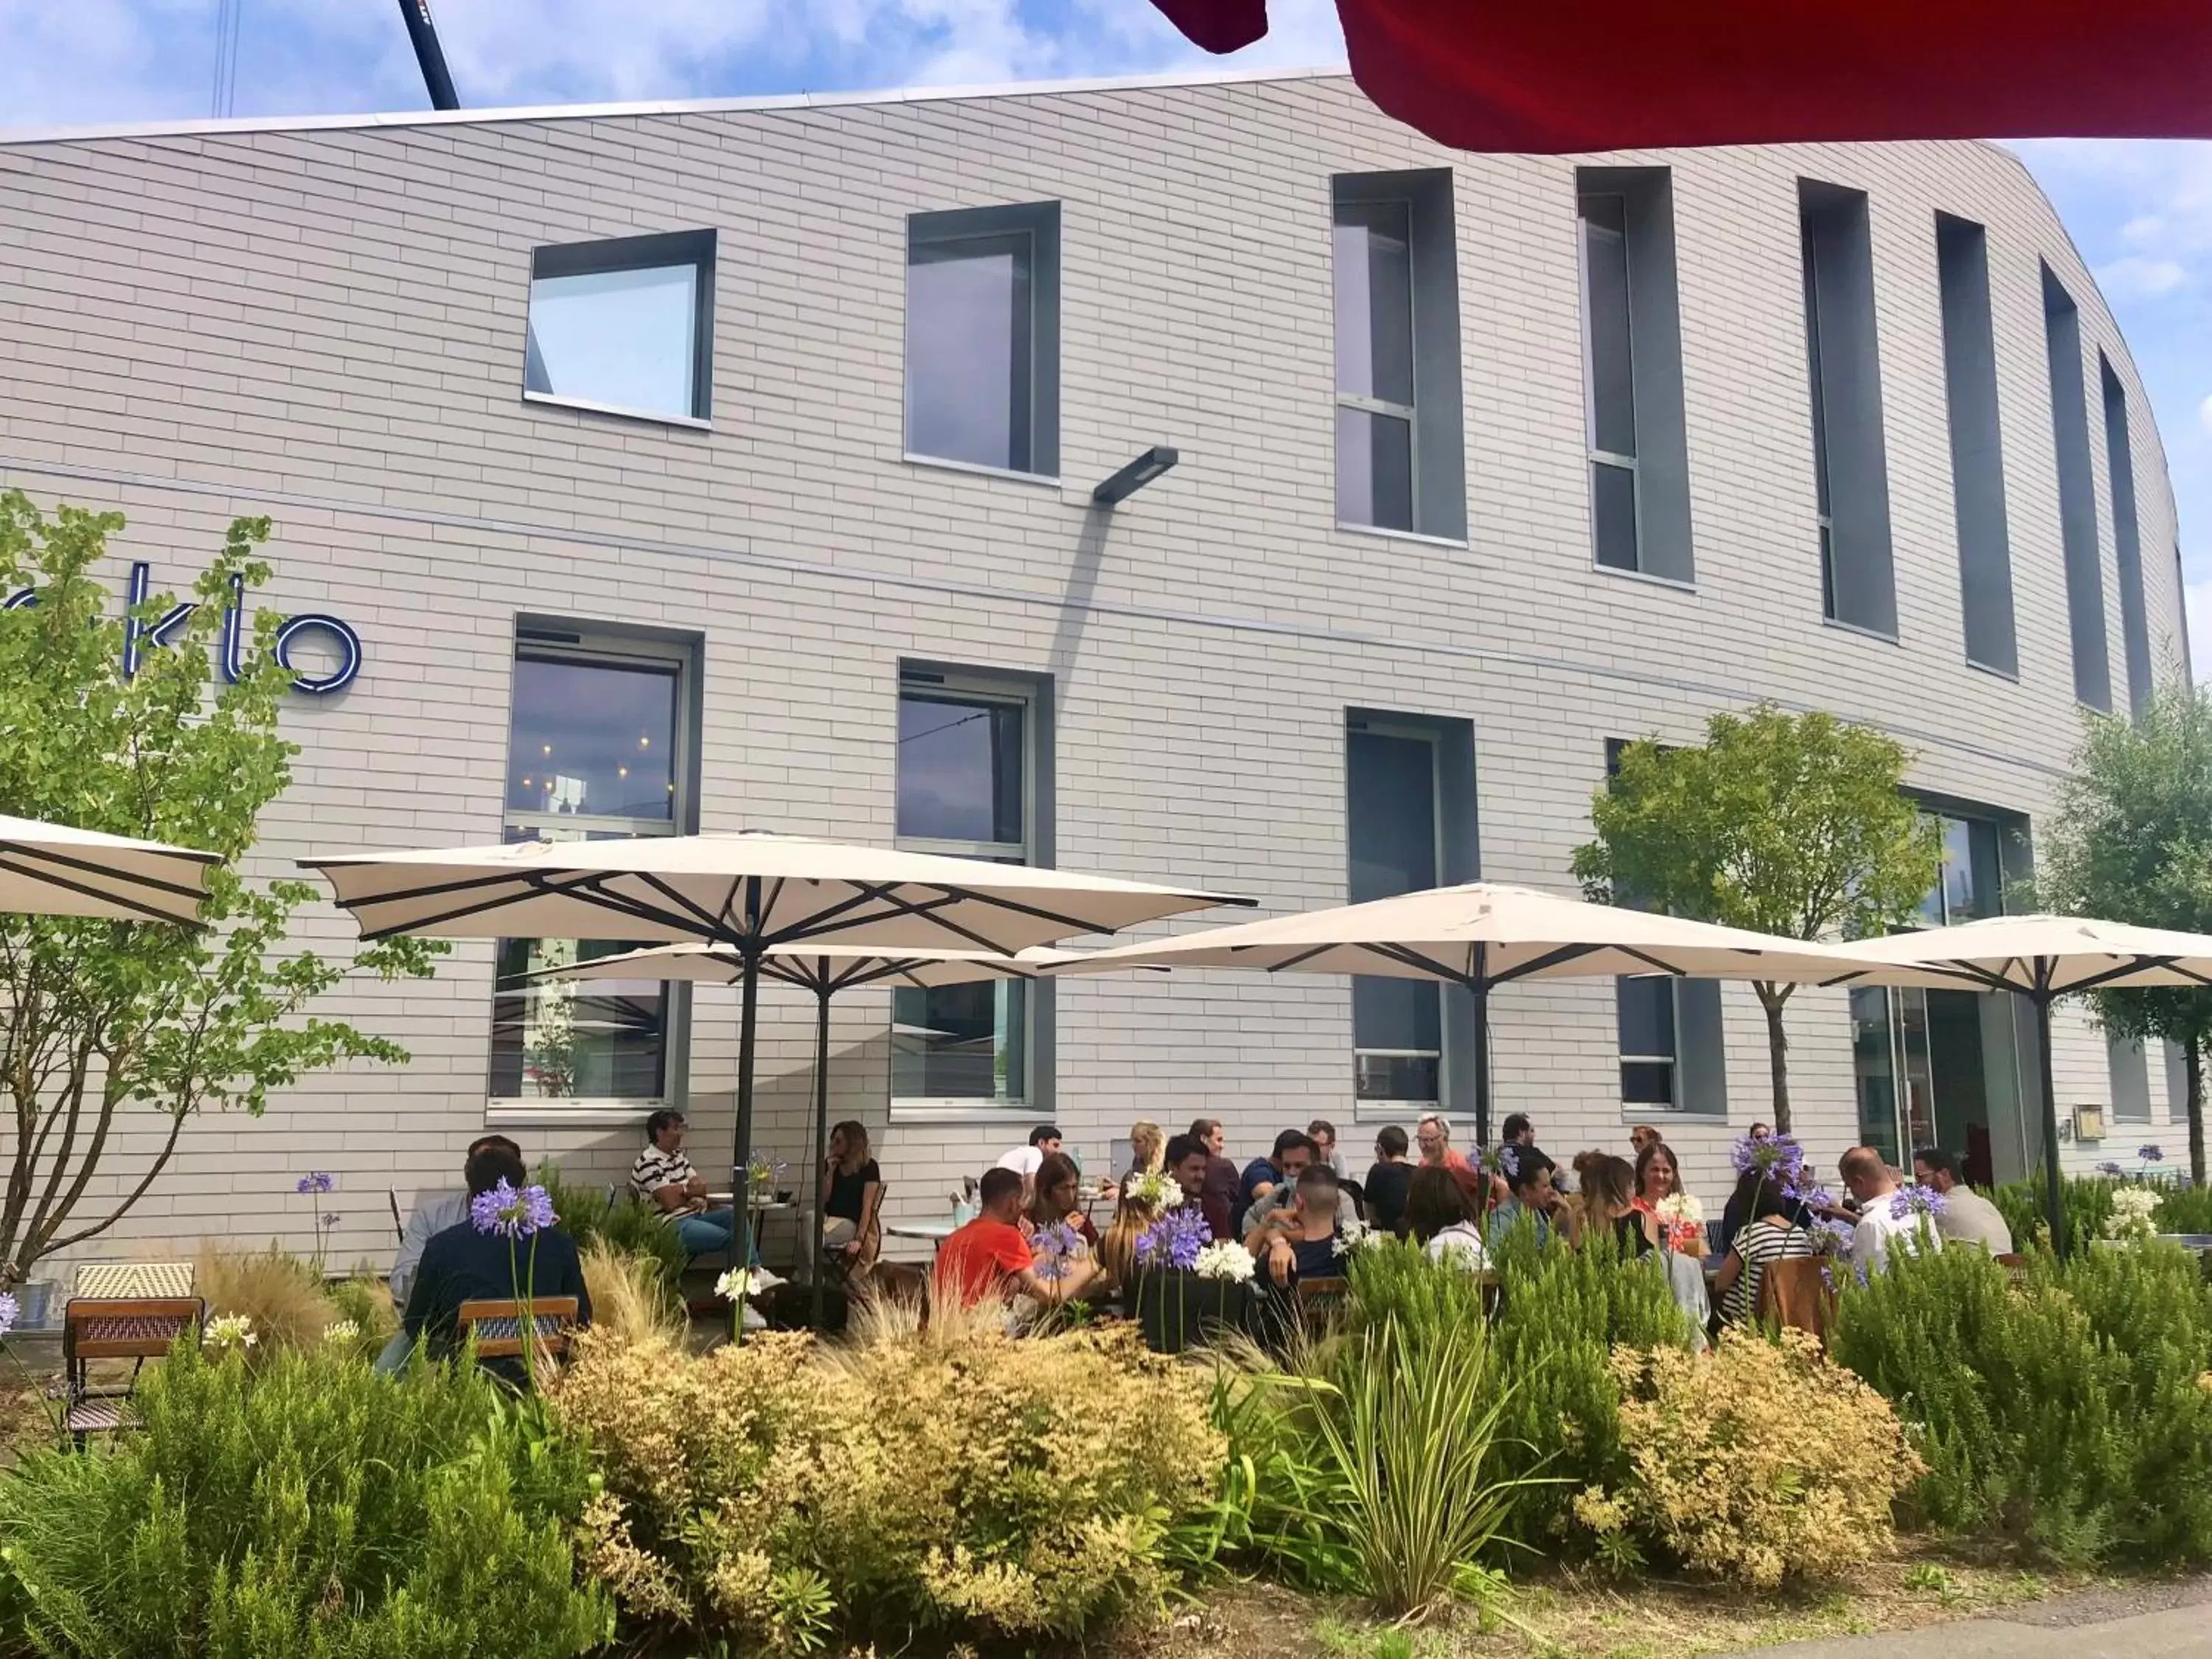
(598, 748)
(1400, 460)
(2177, 1082)
(1395, 842)
(1850, 464)
(1647, 1042)
(2077, 500)
(972, 754)
(1970, 387)
(983, 337)
(1633, 371)
(1970, 886)
(626, 327)
(2127, 537)
(2130, 1069)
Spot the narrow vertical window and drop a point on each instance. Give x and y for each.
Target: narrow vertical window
(2077, 501)
(1970, 386)
(1850, 461)
(982, 333)
(1400, 464)
(2127, 536)
(1393, 835)
(2129, 1067)
(1633, 371)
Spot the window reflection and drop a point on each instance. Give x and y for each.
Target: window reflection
(573, 1040)
(625, 338)
(968, 349)
(1397, 1024)
(960, 768)
(593, 739)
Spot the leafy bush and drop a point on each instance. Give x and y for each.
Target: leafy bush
(1561, 1312)
(311, 1511)
(770, 1492)
(2085, 1201)
(627, 1225)
(2184, 1209)
(364, 1302)
(2068, 1413)
(1760, 1463)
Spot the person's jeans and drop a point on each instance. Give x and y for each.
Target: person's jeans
(394, 1357)
(708, 1232)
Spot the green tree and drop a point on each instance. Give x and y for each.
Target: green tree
(2132, 842)
(108, 1028)
(1791, 824)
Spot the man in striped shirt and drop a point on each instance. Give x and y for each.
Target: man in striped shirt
(663, 1177)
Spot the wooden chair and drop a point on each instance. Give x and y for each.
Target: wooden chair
(134, 1328)
(2014, 1265)
(496, 1324)
(399, 1221)
(1792, 1293)
(1319, 1299)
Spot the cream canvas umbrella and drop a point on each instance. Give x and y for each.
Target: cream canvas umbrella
(752, 892)
(2041, 958)
(52, 870)
(824, 970)
(1480, 935)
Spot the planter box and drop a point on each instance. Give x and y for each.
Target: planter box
(1181, 1310)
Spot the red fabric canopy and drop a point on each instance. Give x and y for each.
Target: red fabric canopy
(1552, 75)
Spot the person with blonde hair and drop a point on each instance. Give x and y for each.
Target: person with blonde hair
(1147, 1145)
(852, 1194)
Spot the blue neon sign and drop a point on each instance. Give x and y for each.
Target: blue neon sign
(139, 636)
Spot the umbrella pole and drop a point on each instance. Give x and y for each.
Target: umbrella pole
(748, 1020)
(2053, 1187)
(821, 1134)
(1481, 989)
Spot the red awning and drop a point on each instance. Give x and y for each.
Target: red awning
(1554, 76)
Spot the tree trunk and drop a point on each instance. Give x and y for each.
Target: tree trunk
(2193, 1063)
(1773, 999)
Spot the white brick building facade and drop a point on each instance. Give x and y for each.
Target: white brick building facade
(325, 321)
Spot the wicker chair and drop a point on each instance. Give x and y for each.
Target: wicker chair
(134, 1328)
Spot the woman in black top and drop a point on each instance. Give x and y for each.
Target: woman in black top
(1609, 1203)
(851, 1188)
(1389, 1181)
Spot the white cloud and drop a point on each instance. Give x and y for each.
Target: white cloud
(2134, 277)
(2145, 229)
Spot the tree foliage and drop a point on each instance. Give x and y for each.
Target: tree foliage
(109, 1027)
(2132, 842)
(1790, 824)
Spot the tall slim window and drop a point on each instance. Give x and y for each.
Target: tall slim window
(625, 326)
(2129, 1068)
(969, 764)
(983, 336)
(1400, 464)
(1633, 371)
(596, 748)
(2077, 501)
(1394, 839)
(1970, 387)
(1850, 462)
(2127, 536)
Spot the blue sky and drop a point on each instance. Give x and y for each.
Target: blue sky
(2141, 213)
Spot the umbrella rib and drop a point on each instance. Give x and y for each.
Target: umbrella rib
(1300, 959)
(2135, 965)
(1655, 964)
(89, 867)
(1413, 958)
(1080, 924)
(149, 912)
(818, 924)
(1563, 953)
(674, 895)
(925, 909)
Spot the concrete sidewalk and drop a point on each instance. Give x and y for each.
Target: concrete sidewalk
(2139, 1621)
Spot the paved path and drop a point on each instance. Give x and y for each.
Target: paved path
(2140, 1621)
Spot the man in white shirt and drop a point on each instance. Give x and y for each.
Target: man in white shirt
(1025, 1161)
(1880, 1229)
(1967, 1217)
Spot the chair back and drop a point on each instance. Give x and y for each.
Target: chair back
(107, 1280)
(1792, 1293)
(1320, 1298)
(496, 1324)
(399, 1221)
(2016, 1266)
(126, 1327)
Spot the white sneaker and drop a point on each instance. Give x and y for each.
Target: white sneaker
(753, 1320)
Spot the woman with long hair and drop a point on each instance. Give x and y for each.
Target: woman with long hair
(1609, 1205)
(1659, 1178)
(852, 1195)
(1770, 1234)
(1056, 1200)
(1441, 1215)
(1147, 1141)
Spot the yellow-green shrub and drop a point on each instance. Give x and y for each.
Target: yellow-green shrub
(1013, 1488)
(1757, 1462)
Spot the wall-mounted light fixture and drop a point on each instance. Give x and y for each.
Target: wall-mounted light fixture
(1135, 476)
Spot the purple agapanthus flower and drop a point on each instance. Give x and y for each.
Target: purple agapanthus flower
(331, 1218)
(1174, 1240)
(2151, 1154)
(1052, 1251)
(10, 1310)
(1779, 1158)
(2109, 1168)
(321, 1181)
(1910, 1202)
(511, 1214)
(1833, 1237)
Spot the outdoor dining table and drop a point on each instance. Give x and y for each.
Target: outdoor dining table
(935, 1232)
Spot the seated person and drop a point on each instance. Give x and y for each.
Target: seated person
(1609, 1206)
(1528, 1192)
(989, 1260)
(1294, 1155)
(1297, 1240)
(1043, 1142)
(852, 1194)
(461, 1264)
(1769, 1233)
(434, 1213)
(1388, 1181)
(1057, 1201)
(1442, 1218)
(1263, 1175)
(1191, 1165)
(663, 1178)
(1967, 1217)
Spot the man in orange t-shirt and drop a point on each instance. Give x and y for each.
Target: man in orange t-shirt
(989, 1259)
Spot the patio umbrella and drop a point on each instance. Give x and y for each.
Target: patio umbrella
(1480, 935)
(752, 891)
(2041, 958)
(52, 870)
(824, 969)
(1525, 75)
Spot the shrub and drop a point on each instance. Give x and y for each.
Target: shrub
(627, 1225)
(1024, 1489)
(1759, 1463)
(631, 1300)
(2085, 1201)
(364, 1302)
(2184, 1210)
(313, 1509)
(283, 1295)
(2066, 1414)
(1561, 1312)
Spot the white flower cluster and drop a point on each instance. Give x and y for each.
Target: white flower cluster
(2131, 1219)
(1356, 1234)
(1682, 1207)
(1224, 1259)
(1152, 1189)
(342, 1330)
(229, 1331)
